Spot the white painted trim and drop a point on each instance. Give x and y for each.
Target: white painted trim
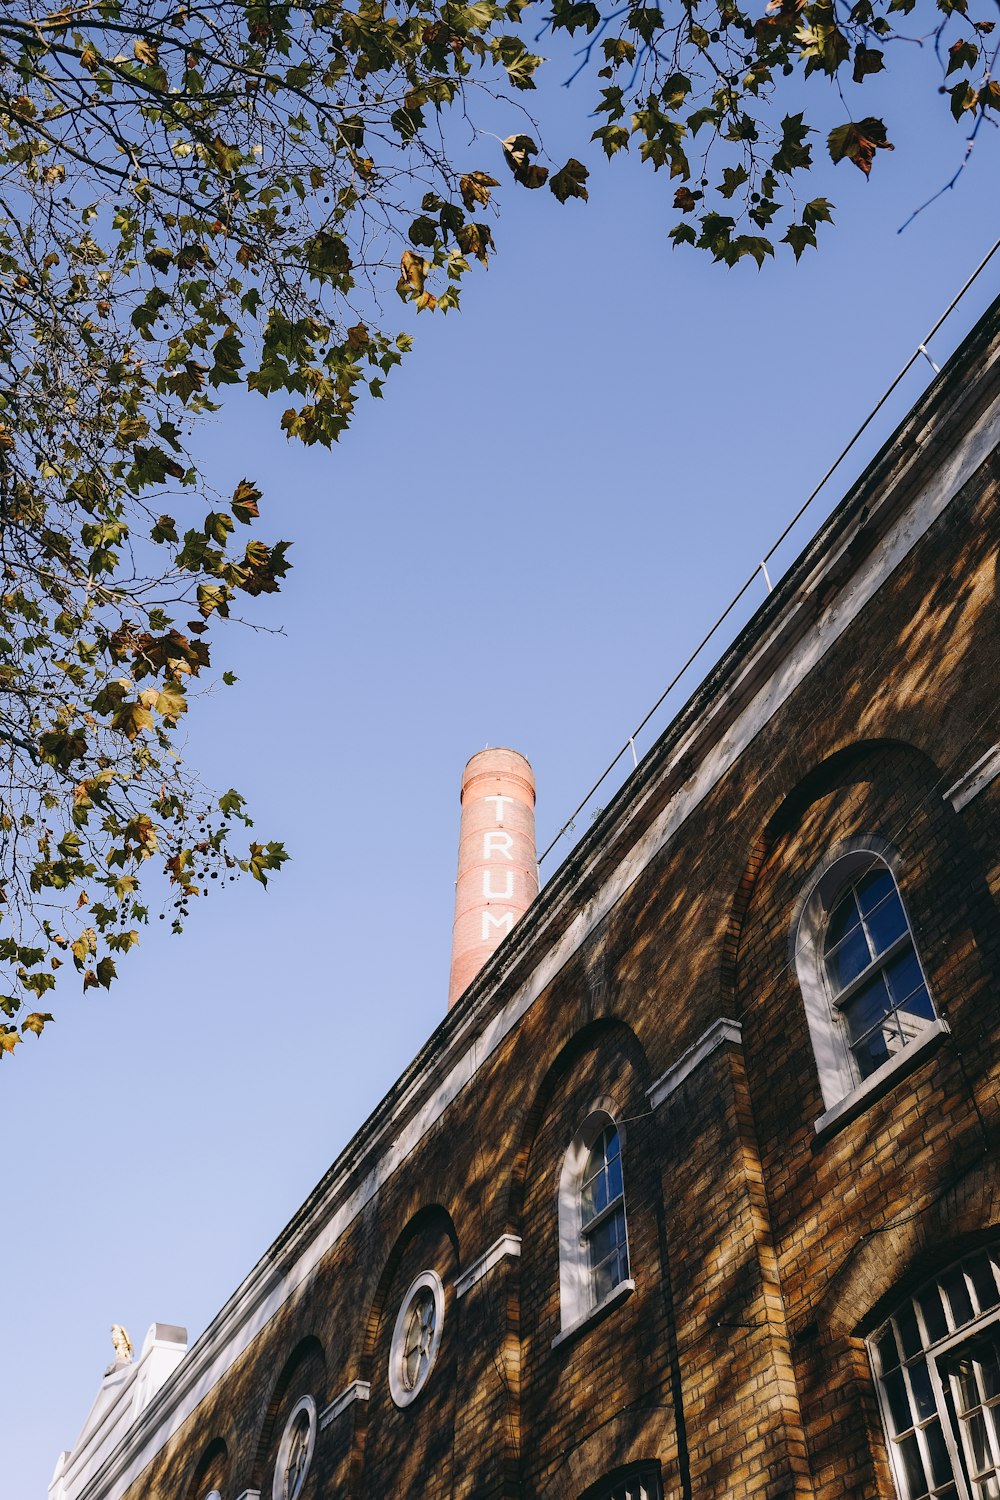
(249, 1495)
(305, 1404)
(619, 1293)
(976, 779)
(400, 1392)
(507, 1244)
(790, 649)
(358, 1390)
(881, 1081)
(721, 1031)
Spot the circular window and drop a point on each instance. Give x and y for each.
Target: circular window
(416, 1338)
(295, 1451)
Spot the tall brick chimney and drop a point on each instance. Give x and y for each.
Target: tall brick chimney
(497, 870)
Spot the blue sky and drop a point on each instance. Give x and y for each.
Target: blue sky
(562, 487)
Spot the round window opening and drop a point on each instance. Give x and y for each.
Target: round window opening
(296, 1450)
(416, 1338)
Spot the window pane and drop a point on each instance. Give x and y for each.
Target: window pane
(909, 1333)
(923, 1392)
(594, 1198)
(612, 1144)
(913, 1468)
(884, 918)
(959, 1300)
(941, 1471)
(844, 918)
(899, 1406)
(983, 1281)
(614, 1179)
(607, 1236)
(888, 1354)
(867, 1007)
(848, 960)
(934, 1319)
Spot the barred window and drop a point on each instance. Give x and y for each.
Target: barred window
(937, 1367)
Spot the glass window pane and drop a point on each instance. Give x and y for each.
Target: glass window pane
(941, 1471)
(607, 1236)
(614, 1179)
(913, 1468)
(977, 1443)
(933, 1313)
(888, 1354)
(848, 960)
(844, 918)
(873, 888)
(897, 1402)
(612, 1146)
(884, 919)
(958, 1297)
(922, 1391)
(865, 1009)
(983, 1281)
(908, 1332)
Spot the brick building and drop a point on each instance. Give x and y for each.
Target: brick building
(695, 1191)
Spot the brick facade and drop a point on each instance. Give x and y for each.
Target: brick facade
(763, 1251)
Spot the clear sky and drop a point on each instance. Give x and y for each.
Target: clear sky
(563, 486)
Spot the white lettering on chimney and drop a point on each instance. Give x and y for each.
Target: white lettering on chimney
(499, 800)
(504, 922)
(497, 843)
(507, 894)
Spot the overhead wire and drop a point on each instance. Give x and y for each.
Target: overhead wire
(761, 566)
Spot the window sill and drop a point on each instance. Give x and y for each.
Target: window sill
(881, 1081)
(594, 1315)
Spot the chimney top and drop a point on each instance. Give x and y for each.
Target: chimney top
(497, 870)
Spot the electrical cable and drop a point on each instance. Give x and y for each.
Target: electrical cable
(920, 349)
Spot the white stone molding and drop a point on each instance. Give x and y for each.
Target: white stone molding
(721, 1031)
(976, 779)
(595, 1314)
(249, 1495)
(304, 1406)
(358, 1390)
(401, 1392)
(507, 1244)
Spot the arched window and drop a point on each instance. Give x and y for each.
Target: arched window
(865, 993)
(295, 1450)
(593, 1238)
(636, 1482)
(937, 1367)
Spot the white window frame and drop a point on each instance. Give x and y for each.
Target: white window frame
(577, 1300)
(303, 1404)
(401, 1393)
(934, 1352)
(835, 1064)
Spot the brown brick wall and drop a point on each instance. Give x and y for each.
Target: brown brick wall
(761, 1255)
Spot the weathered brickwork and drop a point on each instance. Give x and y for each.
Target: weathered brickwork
(763, 1251)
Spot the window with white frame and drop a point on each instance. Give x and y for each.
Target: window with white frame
(295, 1450)
(593, 1237)
(865, 993)
(416, 1337)
(937, 1366)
